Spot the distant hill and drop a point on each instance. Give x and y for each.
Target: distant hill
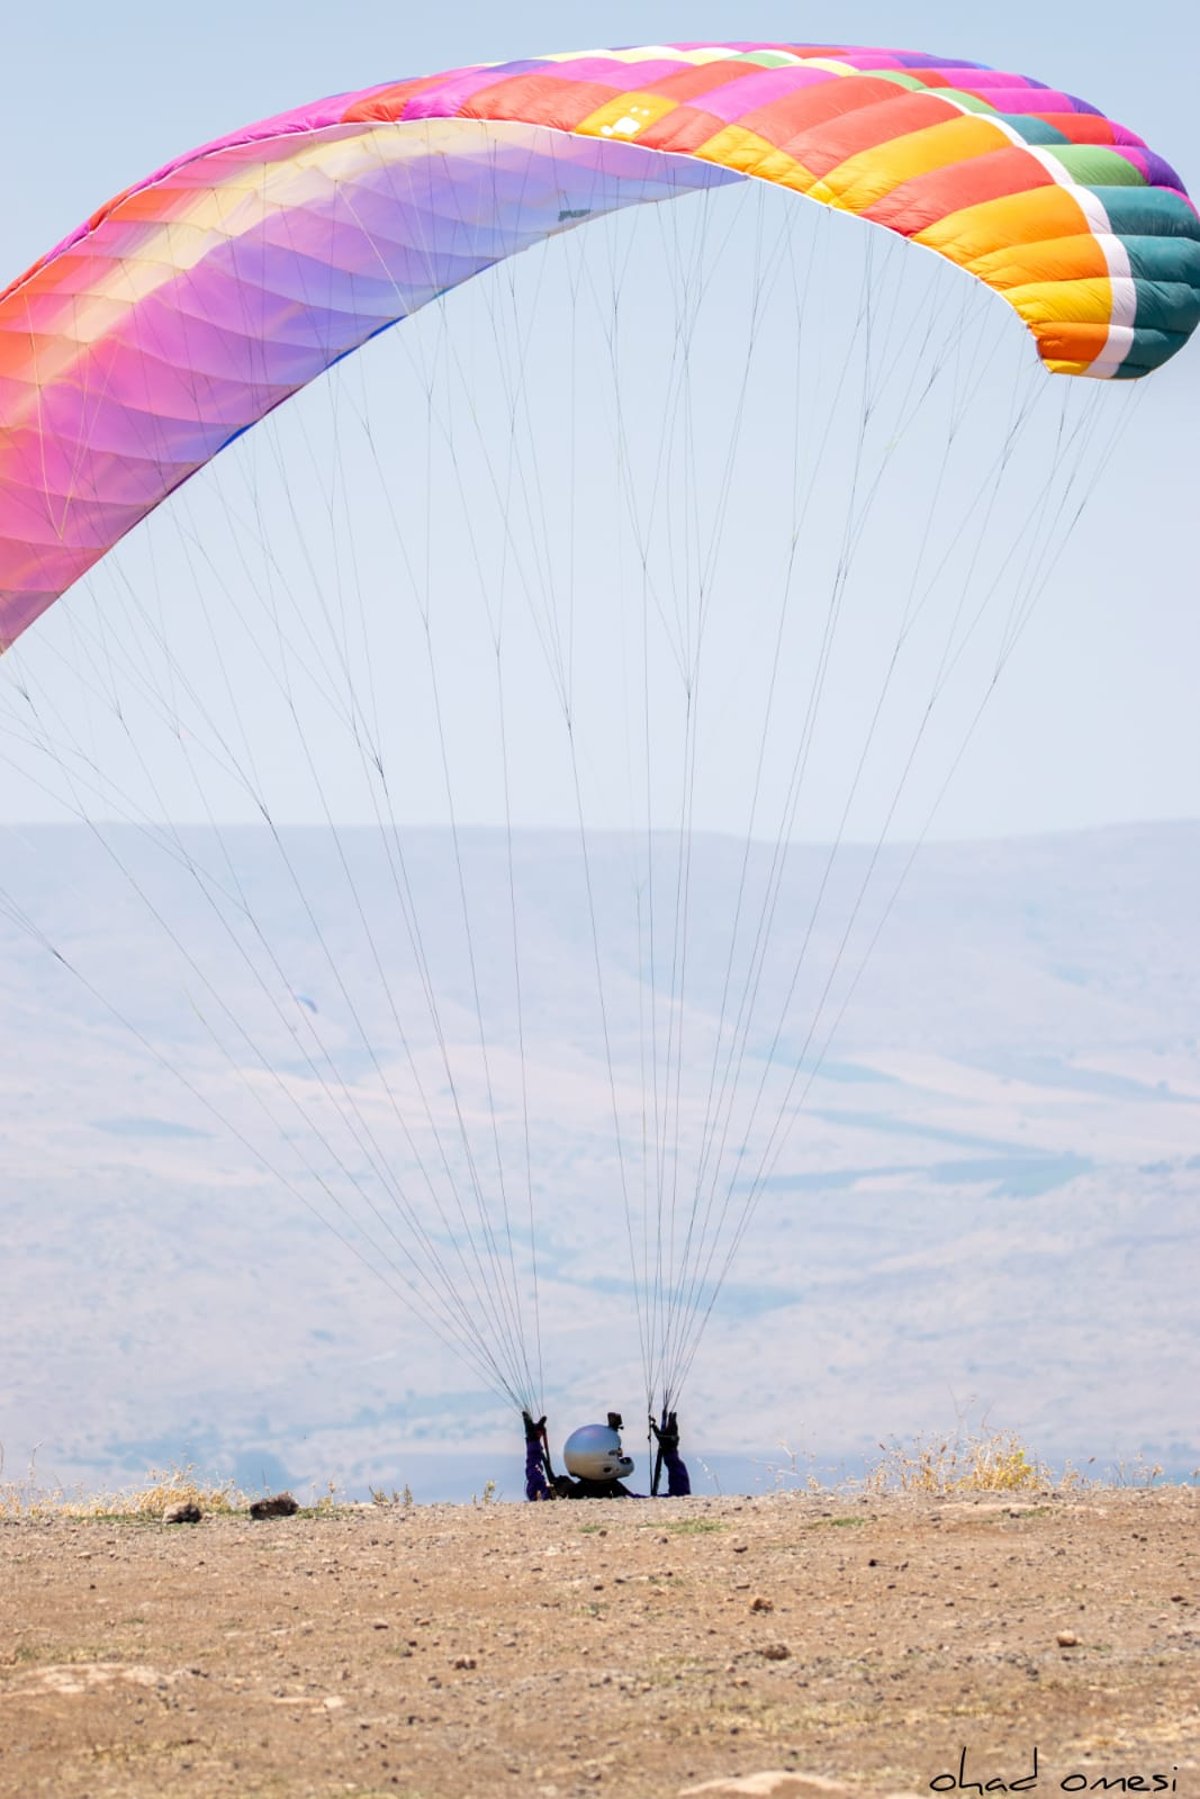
(987, 1204)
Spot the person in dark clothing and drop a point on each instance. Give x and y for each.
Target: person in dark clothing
(566, 1488)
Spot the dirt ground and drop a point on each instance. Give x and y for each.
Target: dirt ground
(634, 1648)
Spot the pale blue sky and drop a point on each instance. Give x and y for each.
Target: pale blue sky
(1097, 718)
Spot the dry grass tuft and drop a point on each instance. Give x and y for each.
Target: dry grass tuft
(30, 1498)
(325, 1504)
(162, 1490)
(966, 1462)
(393, 1499)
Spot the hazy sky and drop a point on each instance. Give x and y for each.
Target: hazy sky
(1096, 720)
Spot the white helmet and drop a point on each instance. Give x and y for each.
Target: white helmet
(593, 1452)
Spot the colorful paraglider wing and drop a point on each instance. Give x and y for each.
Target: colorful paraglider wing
(196, 302)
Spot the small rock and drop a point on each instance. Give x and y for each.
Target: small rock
(762, 1605)
(380, 1624)
(280, 1505)
(466, 1662)
(188, 1513)
(775, 1652)
(1066, 1639)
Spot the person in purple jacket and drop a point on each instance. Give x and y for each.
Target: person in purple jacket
(539, 1475)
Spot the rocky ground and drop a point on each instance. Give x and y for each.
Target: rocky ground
(634, 1648)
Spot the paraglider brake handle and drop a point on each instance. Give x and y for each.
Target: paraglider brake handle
(535, 1432)
(666, 1432)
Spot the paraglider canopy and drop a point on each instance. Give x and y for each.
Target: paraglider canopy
(195, 302)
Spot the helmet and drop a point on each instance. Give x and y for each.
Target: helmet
(593, 1452)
